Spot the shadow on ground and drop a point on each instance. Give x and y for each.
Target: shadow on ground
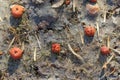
(15, 22)
(12, 65)
(87, 39)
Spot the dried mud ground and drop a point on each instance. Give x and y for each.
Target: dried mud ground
(63, 26)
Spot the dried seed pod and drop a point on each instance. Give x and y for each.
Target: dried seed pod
(15, 52)
(56, 48)
(104, 50)
(92, 8)
(89, 31)
(17, 10)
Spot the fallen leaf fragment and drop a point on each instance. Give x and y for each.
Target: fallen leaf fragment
(58, 4)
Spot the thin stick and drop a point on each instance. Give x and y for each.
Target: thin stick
(39, 43)
(74, 5)
(82, 39)
(105, 14)
(11, 43)
(110, 58)
(108, 73)
(108, 61)
(104, 75)
(70, 48)
(112, 71)
(115, 50)
(35, 54)
(78, 56)
(97, 26)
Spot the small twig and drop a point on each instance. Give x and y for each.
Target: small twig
(105, 65)
(108, 73)
(105, 13)
(110, 58)
(69, 46)
(115, 50)
(75, 2)
(81, 37)
(85, 70)
(11, 43)
(39, 43)
(108, 61)
(97, 26)
(35, 54)
(112, 72)
(78, 56)
(104, 75)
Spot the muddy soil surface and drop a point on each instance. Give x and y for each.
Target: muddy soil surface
(41, 25)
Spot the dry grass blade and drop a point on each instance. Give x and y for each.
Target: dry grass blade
(108, 73)
(81, 36)
(58, 4)
(108, 61)
(11, 43)
(82, 39)
(39, 43)
(105, 13)
(75, 5)
(35, 54)
(97, 26)
(110, 58)
(104, 75)
(112, 72)
(115, 50)
(78, 56)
